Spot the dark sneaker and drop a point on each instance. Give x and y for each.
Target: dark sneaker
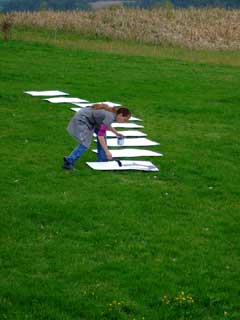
(67, 165)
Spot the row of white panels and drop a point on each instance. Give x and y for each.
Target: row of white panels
(59, 97)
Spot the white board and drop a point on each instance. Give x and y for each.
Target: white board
(132, 142)
(81, 105)
(135, 119)
(51, 93)
(109, 103)
(64, 100)
(128, 153)
(77, 109)
(126, 133)
(123, 165)
(126, 125)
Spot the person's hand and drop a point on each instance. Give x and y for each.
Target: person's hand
(109, 155)
(120, 135)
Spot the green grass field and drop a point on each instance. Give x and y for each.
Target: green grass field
(119, 245)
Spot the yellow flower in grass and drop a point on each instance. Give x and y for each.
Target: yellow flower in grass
(165, 299)
(190, 299)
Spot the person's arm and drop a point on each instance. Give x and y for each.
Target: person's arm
(101, 139)
(104, 146)
(118, 134)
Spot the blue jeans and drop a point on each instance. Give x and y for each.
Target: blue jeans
(80, 149)
(101, 155)
(76, 153)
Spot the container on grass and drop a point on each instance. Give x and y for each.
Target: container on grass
(120, 141)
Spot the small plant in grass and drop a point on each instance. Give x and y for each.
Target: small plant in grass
(119, 310)
(182, 306)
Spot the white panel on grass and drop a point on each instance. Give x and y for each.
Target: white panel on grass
(132, 142)
(110, 104)
(128, 153)
(64, 100)
(126, 125)
(77, 109)
(51, 93)
(123, 165)
(135, 119)
(127, 133)
(82, 105)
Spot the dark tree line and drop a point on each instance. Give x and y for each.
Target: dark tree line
(32, 5)
(189, 3)
(205, 3)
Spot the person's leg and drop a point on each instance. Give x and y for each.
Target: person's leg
(101, 155)
(74, 155)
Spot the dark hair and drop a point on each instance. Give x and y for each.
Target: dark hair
(102, 106)
(124, 111)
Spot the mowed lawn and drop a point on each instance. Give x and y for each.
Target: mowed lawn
(119, 245)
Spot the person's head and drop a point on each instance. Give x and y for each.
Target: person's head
(123, 115)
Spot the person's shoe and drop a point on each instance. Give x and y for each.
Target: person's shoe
(67, 165)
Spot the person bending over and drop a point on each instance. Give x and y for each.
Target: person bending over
(94, 119)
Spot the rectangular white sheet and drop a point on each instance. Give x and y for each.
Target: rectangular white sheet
(126, 125)
(127, 133)
(109, 103)
(76, 109)
(51, 93)
(131, 119)
(64, 100)
(132, 142)
(125, 165)
(128, 153)
(135, 119)
(81, 105)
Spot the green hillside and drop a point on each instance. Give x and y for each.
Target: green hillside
(119, 245)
